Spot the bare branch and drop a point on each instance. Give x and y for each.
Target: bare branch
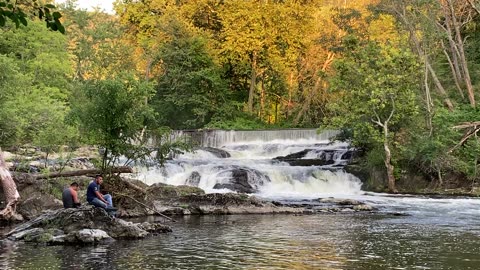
(467, 125)
(473, 6)
(392, 112)
(467, 136)
(378, 122)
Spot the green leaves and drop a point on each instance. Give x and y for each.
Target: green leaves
(377, 87)
(113, 112)
(14, 12)
(34, 71)
(191, 88)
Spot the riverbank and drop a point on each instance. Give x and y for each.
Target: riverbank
(413, 183)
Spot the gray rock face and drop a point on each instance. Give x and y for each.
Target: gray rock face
(82, 225)
(217, 152)
(321, 157)
(193, 179)
(243, 180)
(36, 203)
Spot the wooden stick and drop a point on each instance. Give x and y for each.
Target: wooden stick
(142, 204)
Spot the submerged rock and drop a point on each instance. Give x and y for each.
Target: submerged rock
(81, 225)
(362, 207)
(339, 201)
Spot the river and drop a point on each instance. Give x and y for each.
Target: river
(428, 238)
(406, 232)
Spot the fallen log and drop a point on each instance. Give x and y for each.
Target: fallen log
(90, 172)
(30, 179)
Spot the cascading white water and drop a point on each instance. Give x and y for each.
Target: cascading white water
(253, 160)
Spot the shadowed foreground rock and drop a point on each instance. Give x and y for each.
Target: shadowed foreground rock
(82, 225)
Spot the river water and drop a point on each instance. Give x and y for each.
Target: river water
(406, 232)
(336, 241)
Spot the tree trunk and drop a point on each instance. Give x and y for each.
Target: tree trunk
(439, 86)
(253, 83)
(262, 97)
(461, 50)
(10, 191)
(455, 71)
(388, 161)
(413, 36)
(428, 102)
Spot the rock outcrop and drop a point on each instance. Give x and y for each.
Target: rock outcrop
(242, 180)
(217, 152)
(82, 225)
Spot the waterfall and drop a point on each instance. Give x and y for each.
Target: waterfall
(291, 162)
(218, 138)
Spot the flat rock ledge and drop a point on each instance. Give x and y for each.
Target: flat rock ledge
(330, 205)
(232, 204)
(86, 225)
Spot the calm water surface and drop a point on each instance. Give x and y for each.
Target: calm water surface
(340, 241)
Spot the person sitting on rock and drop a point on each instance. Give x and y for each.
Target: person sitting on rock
(94, 197)
(70, 196)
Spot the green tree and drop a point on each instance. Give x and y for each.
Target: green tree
(113, 113)
(96, 43)
(35, 81)
(377, 86)
(191, 89)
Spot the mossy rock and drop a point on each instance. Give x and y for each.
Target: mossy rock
(161, 191)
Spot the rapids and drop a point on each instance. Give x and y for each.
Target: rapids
(259, 153)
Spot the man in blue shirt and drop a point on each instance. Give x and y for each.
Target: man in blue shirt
(94, 197)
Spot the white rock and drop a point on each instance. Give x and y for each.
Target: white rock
(91, 235)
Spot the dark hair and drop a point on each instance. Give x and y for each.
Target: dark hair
(74, 184)
(97, 176)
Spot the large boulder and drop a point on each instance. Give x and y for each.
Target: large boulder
(141, 203)
(34, 202)
(314, 157)
(193, 179)
(81, 225)
(217, 152)
(161, 191)
(242, 180)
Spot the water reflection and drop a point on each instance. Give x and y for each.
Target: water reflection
(270, 242)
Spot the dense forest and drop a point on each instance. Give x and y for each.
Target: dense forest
(398, 78)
